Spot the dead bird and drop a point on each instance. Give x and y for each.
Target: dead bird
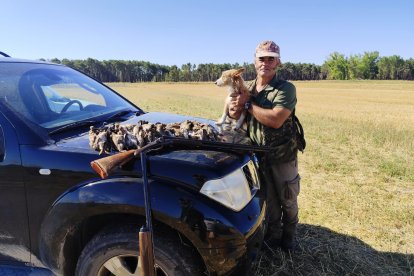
(211, 133)
(160, 130)
(141, 139)
(118, 141)
(101, 142)
(148, 127)
(131, 142)
(150, 135)
(201, 134)
(92, 136)
(174, 129)
(185, 128)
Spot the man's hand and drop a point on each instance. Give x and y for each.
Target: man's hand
(236, 105)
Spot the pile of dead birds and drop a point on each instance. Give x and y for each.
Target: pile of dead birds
(117, 137)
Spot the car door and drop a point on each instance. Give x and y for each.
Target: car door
(14, 231)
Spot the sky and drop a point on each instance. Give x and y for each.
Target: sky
(177, 32)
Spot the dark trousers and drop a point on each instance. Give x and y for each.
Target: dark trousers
(282, 183)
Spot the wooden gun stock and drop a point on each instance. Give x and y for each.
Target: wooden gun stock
(105, 165)
(146, 253)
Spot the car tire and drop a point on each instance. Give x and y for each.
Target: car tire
(119, 247)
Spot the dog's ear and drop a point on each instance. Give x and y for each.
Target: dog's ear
(239, 71)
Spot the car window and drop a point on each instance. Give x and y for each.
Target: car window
(59, 95)
(52, 95)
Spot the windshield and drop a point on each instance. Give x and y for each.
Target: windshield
(52, 96)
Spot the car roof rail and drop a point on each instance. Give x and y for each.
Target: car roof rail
(4, 54)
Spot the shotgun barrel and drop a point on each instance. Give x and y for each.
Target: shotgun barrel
(146, 243)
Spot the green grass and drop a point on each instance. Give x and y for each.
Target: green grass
(357, 189)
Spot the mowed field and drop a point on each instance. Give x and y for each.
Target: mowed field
(357, 189)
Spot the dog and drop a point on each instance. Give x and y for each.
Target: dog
(233, 80)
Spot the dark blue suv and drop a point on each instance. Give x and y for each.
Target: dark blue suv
(57, 216)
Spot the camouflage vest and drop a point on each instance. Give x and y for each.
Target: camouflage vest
(283, 140)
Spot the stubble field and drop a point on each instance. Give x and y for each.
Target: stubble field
(357, 189)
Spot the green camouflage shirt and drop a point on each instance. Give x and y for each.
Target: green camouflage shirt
(278, 93)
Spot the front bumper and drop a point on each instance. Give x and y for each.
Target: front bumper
(231, 252)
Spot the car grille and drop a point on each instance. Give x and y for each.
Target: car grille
(250, 172)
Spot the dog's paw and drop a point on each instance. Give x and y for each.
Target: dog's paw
(219, 123)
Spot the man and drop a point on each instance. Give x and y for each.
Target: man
(271, 122)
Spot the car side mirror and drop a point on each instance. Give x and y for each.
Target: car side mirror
(2, 146)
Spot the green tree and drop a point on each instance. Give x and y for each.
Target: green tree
(390, 68)
(185, 73)
(55, 60)
(408, 71)
(337, 66)
(354, 67)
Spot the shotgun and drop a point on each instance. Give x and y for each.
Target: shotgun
(104, 167)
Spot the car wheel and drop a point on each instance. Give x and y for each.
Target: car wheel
(115, 252)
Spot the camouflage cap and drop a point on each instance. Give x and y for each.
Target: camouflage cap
(267, 49)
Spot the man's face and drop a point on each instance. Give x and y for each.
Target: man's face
(266, 66)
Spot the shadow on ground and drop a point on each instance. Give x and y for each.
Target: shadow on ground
(324, 252)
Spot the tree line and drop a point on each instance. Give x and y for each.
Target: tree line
(368, 66)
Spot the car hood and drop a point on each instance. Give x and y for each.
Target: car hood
(192, 167)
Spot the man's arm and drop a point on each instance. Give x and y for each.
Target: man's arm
(270, 117)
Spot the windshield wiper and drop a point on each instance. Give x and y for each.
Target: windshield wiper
(72, 126)
(122, 113)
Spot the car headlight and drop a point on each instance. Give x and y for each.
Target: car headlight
(233, 190)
